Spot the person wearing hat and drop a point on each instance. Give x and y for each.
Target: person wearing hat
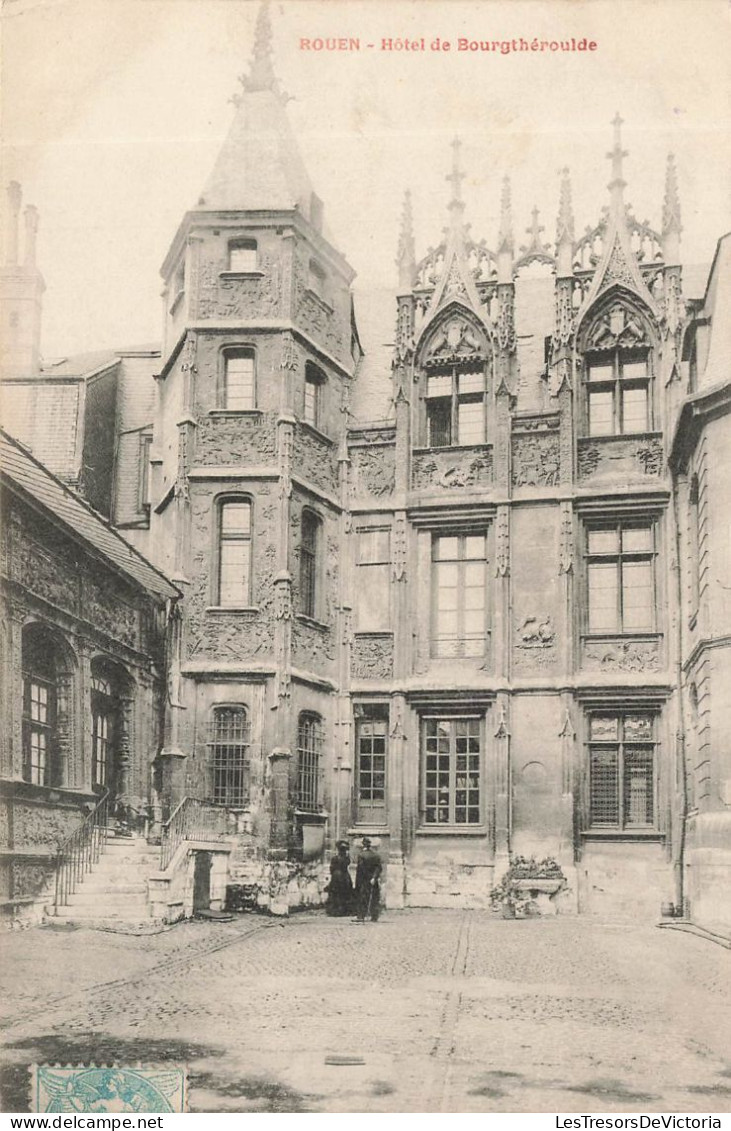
(340, 888)
(367, 888)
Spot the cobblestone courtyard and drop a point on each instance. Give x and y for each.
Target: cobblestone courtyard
(449, 1011)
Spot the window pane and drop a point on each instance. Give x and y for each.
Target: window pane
(637, 595)
(471, 382)
(634, 409)
(637, 540)
(474, 546)
(242, 257)
(603, 786)
(601, 413)
(470, 422)
(440, 423)
(638, 786)
(439, 386)
(234, 571)
(603, 597)
(235, 518)
(638, 727)
(311, 401)
(446, 549)
(634, 368)
(603, 372)
(603, 541)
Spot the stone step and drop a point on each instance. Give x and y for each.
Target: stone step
(120, 885)
(83, 898)
(99, 917)
(102, 922)
(103, 910)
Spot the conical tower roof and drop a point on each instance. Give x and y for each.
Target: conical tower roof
(259, 165)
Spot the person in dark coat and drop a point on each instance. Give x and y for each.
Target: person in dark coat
(340, 888)
(367, 886)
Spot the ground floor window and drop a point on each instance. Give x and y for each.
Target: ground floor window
(452, 750)
(621, 771)
(371, 746)
(309, 749)
(229, 757)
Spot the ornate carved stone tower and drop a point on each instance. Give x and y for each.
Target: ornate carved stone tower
(258, 358)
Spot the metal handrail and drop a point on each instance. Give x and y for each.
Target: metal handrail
(192, 819)
(79, 852)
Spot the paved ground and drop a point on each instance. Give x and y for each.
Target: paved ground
(449, 1011)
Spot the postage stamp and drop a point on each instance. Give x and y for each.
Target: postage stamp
(75, 1088)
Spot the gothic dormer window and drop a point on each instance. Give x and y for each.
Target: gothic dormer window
(242, 256)
(455, 385)
(618, 375)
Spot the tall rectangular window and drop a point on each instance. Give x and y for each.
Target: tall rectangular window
(452, 750)
(618, 394)
(621, 771)
(239, 381)
(455, 409)
(371, 749)
(620, 578)
(309, 750)
(459, 617)
(373, 580)
(38, 728)
(234, 553)
(314, 385)
(228, 748)
(309, 555)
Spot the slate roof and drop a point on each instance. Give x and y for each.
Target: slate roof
(25, 472)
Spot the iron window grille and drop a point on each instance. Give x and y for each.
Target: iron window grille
(309, 750)
(620, 562)
(228, 747)
(618, 393)
(622, 771)
(459, 602)
(452, 771)
(456, 408)
(234, 552)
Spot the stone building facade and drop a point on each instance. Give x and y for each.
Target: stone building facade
(467, 593)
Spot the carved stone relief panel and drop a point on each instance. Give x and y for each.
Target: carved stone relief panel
(535, 643)
(315, 459)
(372, 656)
(43, 826)
(536, 459)
(313, 647)
(240, 440)
(374, 470)
(30, 877)
(451, 469)
(224, 296)
(326, 318)
(622, 655)
(620, 458)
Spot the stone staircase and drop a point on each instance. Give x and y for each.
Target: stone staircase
(116, 889)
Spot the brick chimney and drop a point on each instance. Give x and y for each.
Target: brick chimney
(21, 292)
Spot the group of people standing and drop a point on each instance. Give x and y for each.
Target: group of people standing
(363, 898)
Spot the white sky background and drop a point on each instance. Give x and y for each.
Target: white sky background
(113, 112)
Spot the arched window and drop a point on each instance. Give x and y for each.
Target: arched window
(309, 564)
(238, 392)
(309, 750)
(103, 720)
(234, 552)
(617, 374)
(228, 747)
(314, 388)
(242, 256)
(40, 707)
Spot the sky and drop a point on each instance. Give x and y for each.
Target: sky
(114, 110)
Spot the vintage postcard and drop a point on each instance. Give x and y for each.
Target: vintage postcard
(366, 557)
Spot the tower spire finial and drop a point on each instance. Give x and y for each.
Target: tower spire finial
(261, 71)
(671, 202)
(406, 258)
(616, 156)
(565, 222)
(456, 204)
(505, 237)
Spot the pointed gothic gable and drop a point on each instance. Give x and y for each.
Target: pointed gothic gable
(453, 337)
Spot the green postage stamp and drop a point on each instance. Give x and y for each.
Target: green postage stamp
(85, 1088)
